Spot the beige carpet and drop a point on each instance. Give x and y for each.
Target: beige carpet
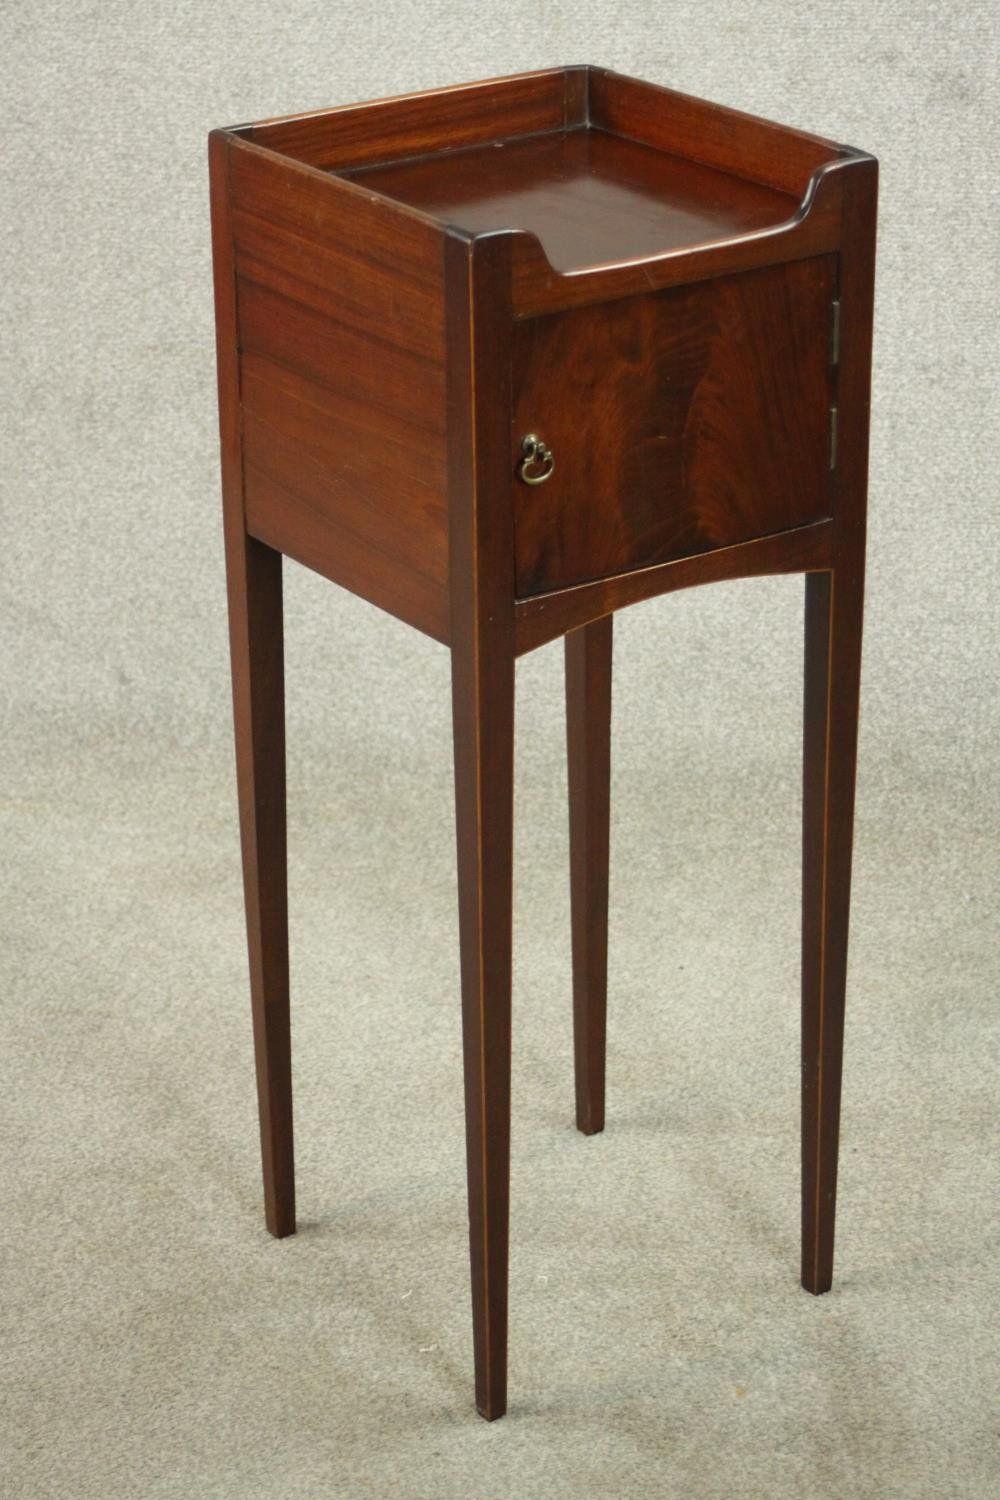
(155, 1341)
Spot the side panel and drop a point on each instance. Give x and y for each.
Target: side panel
(680, 422)
(340, 308)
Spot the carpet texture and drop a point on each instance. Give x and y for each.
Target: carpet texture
(155, 1341)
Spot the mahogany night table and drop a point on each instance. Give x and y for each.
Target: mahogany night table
(503, 359)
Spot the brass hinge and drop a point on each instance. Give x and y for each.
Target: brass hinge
(833, 437)
(835, 333)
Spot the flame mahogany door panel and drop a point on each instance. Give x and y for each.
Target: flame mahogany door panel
(679, 421)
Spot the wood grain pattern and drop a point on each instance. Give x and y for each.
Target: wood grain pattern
(341, 331)
(588, 744)
(323, 277)
(743, 144)
(681, 422)
(813, 229)
(546, 617)
(434, 120)
(253, 574)
(287, 522)
(589, 197)
(482, 633)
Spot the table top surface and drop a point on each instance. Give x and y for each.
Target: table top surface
(591, 197)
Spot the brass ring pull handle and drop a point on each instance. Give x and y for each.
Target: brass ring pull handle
(536, 463)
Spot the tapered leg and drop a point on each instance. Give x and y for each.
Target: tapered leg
(832, 673)
(255, 623)
(588, 743)
(483, 693)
